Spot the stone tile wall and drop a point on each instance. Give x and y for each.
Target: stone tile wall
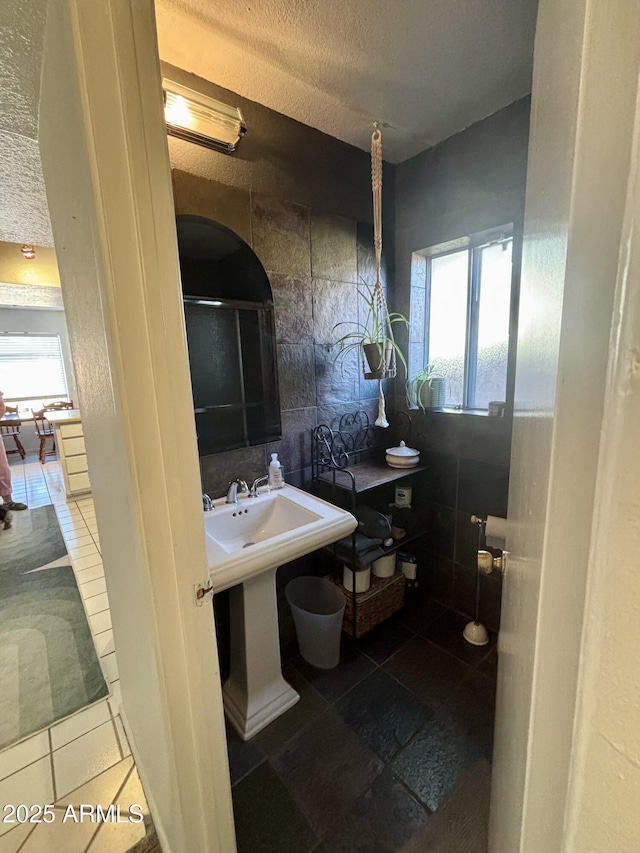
(314, 261)
(455, 488)
(472, 181)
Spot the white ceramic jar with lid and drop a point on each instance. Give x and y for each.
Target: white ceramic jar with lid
(402, 456)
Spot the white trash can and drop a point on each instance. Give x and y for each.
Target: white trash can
(317, 606)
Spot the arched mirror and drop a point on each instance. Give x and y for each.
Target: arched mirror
(229, 318)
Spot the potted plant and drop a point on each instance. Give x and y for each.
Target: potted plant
(373, 338)
(426, 390)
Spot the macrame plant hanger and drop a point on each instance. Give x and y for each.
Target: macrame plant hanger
(380, 303)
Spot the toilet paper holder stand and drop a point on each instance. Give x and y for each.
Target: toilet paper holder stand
(487, 561)
(474, 632)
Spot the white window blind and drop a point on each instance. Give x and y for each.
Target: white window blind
(31, 369)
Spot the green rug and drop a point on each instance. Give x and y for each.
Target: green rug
(48, 663)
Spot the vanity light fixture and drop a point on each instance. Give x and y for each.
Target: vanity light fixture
(197, 118)
(28, 251)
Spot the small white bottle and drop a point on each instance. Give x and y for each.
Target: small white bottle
(276, 480)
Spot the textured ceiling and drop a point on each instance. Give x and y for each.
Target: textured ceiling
(21, 37)
(425, 68)
(24, 215)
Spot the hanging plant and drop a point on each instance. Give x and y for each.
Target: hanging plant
(374, 339)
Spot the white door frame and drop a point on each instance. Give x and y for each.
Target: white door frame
(585, 88)
(107, 174)
(604, 790)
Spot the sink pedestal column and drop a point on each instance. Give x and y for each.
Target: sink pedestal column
(255, 693)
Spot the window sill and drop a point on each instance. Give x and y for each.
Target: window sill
(478, 413)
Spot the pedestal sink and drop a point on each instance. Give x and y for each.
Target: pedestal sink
(246, 542)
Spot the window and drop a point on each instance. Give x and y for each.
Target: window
(468, 307)
(31, 370)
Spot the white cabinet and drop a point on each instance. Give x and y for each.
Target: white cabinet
(73, 458)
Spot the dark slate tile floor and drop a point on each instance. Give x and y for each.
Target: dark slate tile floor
(432, 763)
(427, 670)
(378, 753)
(383, 713)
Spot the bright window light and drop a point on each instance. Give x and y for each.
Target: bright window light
(32, 370)
(466, 286)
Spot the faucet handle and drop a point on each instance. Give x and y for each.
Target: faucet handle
(207, 503)
(256, 483)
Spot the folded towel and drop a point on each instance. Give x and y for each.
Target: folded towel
(360, 542)
(359, 551)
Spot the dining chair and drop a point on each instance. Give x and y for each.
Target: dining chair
(44, 430)
(12, 430)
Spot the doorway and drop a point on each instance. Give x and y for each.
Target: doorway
(135, 482)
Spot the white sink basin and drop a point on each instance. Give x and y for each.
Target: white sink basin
(245, 545)
(256, 521)
(262, 533)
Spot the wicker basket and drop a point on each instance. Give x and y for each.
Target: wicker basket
(384, 597)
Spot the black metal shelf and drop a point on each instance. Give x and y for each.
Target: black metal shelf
(366, 475)
(398, 545)
(351, 458)
(350, 461)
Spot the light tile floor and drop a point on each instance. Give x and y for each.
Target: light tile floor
(84, 759)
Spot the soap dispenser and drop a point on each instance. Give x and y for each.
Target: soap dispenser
(276, 480)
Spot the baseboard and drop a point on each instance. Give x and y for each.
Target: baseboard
(153, 811)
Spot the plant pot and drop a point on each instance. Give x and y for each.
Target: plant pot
(378, 361)
(431, 394)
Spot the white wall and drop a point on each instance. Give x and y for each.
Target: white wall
(39, 320)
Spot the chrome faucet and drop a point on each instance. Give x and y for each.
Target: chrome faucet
(253, 491)
(207, 503)
(239, 486)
